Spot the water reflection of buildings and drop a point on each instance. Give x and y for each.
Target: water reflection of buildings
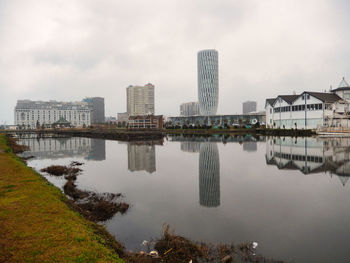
(311, 155)
(209, 175)
(53, 148)
(189, 146)
(141, 157)
(209, 161)
(250, 146)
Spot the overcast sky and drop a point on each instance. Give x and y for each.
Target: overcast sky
(70, 49)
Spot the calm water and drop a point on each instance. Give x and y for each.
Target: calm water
(290, 195)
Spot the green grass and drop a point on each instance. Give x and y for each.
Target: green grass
(36, 224)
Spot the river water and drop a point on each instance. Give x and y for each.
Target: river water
(290, 195)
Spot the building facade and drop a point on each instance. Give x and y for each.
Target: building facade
(309, 110)
(249, 106)
(146, 122)
(219, 120)
(189, 109)
(208, 81)
(140, 100)
(34, 114)
(97, 105)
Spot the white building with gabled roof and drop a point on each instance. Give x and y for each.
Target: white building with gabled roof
(309, 110)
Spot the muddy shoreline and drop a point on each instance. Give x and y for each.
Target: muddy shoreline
(158, 135)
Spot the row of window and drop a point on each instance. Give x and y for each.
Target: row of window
(296, 157)
(298, 108)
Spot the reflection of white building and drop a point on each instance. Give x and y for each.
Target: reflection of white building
(55, 148)
(311, 155)
(141, 157)
(209, 175)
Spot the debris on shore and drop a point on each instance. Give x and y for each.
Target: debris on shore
(59, 170)
(177, 249)
(14, 146)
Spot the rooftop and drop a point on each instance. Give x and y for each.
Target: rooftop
(343, 85)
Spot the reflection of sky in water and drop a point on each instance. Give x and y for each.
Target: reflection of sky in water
(291, 196)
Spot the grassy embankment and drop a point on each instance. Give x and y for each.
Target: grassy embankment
(36, 225)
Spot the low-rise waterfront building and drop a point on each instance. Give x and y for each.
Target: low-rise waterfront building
(310, 110)
(39, 114)
(146, 122)
(219, 120)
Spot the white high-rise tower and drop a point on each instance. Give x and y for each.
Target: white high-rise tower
(208, 81)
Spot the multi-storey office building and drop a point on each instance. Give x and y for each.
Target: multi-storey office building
(189, 109)
(140, 100)
(32, 114)
(208, 81)
(97, 105)
(249, 106)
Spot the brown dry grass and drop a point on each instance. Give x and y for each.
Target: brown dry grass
(36, 225)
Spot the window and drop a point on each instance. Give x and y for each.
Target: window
(307, 96)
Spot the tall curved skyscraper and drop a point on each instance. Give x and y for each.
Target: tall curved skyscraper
(208, 81)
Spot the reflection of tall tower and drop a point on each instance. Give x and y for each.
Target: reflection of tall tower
(141, 157)
(209, 175)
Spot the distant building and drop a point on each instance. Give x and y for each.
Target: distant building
(97, 105)
(34, 114)
(111, 119)
(249, 106)
(146, 122)
(189, 109)
(208, 81)
(122, 117)
(140, 100)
